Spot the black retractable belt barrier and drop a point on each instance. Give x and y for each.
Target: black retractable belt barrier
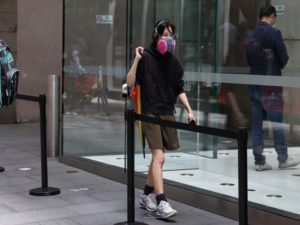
(241, 136)
(44, 190)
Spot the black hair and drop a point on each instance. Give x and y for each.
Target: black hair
(267, 11)
(159, 29)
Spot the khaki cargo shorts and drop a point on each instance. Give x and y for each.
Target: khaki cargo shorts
(160, 137)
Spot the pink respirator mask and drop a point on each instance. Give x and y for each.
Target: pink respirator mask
(166, 45)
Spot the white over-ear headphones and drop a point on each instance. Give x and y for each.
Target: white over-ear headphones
(161, 22)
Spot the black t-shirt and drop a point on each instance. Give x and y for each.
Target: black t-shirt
(161, 81)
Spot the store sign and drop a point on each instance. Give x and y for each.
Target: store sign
(104, 19)
(279, 9)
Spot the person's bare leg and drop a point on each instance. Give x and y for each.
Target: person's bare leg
(155, 178)
(148, 199)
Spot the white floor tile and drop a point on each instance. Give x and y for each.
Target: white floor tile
(209, 173)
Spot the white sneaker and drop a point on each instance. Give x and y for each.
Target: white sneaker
(290, 162)
(148, 202)
(263, 167)
(165, 210)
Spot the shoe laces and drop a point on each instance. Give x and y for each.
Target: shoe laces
(165, 206)
(150, 199)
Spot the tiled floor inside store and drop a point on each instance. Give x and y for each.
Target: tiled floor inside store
(275, 188)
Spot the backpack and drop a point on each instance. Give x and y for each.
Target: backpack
(9, 76)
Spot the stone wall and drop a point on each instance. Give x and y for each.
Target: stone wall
(39, 44)
(287, 21)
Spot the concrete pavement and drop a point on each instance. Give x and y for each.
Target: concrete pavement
(85, 198)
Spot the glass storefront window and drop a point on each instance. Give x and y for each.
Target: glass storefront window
(94, 71)
(210, 46)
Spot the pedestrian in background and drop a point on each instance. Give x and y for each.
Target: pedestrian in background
(267, 55)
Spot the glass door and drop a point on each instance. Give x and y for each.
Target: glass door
(94, 71)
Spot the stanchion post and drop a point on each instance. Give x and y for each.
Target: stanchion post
(130, 171)
(130, 166)
(44, 190)
(44, 167)
(242, 138)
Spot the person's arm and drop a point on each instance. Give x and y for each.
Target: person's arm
(130, 78)
(185, 102)
(281, 50)
(239, 116)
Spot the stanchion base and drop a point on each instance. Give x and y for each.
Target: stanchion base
(127, 223)
(44, 191)
(1, 169)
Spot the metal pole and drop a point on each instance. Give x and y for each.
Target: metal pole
(242, 138)
(130, 165)
(130, 171)
(54, 112)
(42, 102)
(44, 190)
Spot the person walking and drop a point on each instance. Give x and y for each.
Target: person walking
(160, 76)
(267, 55)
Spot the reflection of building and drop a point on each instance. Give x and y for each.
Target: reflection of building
(204, 51)
(8, 32)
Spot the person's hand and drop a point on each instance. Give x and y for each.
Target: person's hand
(139, 52)
(191, 117)
(240, 120)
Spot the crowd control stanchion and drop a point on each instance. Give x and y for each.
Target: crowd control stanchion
(242, 137)
(44, 190)
(130, 171)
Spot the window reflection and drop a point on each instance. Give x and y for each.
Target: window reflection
(210, 45)
(94, 70)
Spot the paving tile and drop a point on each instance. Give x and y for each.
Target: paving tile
(15, 180)
(31, 224)
(8, 189)
(5, 210)
(5, 198)
(108, 196)
(101, 207)
(101, 218)
(37, 203)
(80, 199)
(32, 216)
(85, 199)
(58, 222)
